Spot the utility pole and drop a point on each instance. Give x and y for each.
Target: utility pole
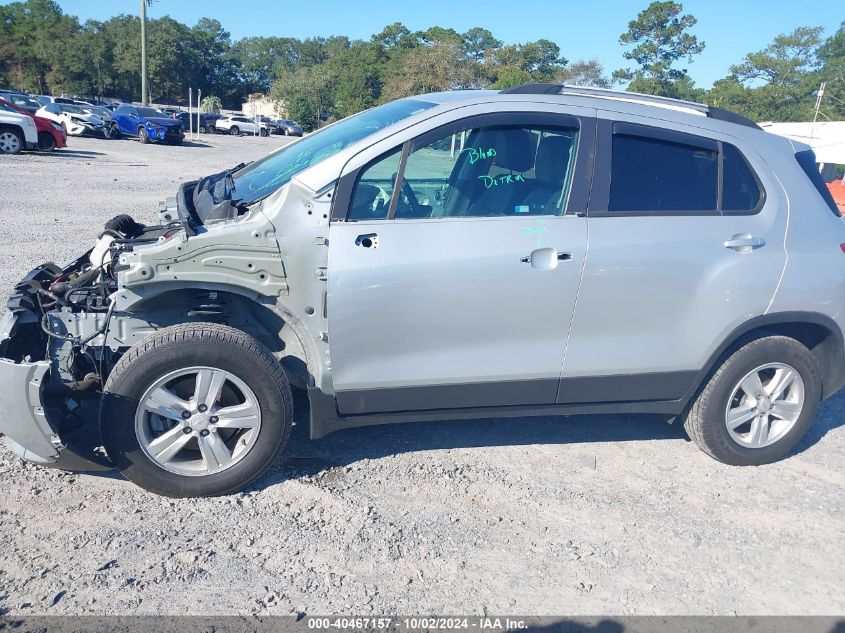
(144, 51)
(819, 96)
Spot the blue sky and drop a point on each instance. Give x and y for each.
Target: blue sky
(730, 28)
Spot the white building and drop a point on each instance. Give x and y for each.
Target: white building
(827, 138)
(258, 104)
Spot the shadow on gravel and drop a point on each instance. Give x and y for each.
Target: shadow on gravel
(73, 153)
(830, 416)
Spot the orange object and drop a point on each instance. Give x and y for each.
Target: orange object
(837, 190)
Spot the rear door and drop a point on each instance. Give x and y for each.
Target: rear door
(686, 244)
(455, 269)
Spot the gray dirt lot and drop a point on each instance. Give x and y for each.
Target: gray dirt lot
(580, 515)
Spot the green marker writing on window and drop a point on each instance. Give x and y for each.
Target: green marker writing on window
(495, 181)
(476, 154)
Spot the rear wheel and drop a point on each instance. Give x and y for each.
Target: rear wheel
(195, 410)
(758, 404)
(234, 130)
(11, 141)
(46, 141)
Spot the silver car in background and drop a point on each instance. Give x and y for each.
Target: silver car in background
(541, 250)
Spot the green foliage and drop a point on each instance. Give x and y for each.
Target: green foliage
(42, 50)
(211, 104)
(659, 37)
(306, 93)
(583, 72)
(784, 61)
(777, 83)
(479, 43)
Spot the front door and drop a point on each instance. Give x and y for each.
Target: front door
(456, 288)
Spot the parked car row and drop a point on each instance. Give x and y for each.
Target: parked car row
(55, 118)
(21, 130)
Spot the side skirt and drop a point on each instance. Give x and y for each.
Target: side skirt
(325, 418)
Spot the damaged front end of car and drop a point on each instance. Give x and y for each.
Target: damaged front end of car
(209, 259)
(53, 352)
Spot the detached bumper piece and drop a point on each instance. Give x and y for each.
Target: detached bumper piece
(23, 423)
(28, 425)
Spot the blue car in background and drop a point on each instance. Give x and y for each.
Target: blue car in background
(150, 125)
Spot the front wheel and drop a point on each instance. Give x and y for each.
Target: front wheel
(758, 404)
(234, 130)
(202, 129)
(46, 141)
(143, 136)
(262, 132)
(195, 410)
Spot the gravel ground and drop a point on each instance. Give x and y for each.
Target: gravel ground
(579, 515)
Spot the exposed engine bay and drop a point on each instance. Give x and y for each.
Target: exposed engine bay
(208, 259)
(62, 316)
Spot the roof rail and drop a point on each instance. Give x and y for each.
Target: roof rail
(620, 95)
(632, 96)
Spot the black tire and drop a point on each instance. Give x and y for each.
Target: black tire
(143, 136)
(11, 141)
(285, 132)
(202, 129)
(46, 141)
(705, 421)
(235, 130)
(190, 345)
(262, 132)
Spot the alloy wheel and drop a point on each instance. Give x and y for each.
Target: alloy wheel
(198, 421)
(765, 405)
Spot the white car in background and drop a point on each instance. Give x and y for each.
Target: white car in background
(238, 125)
(77, 120)
(17, 132)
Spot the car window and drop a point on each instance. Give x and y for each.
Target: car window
(53, 108)
(654, 175)
(374, 189)
(7, 108)
(72, 109)
(740, 191)
(148, 113)
(481, 172)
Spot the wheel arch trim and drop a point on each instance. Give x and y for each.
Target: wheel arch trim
(830, 351)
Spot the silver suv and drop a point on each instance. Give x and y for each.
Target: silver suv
(536, 251)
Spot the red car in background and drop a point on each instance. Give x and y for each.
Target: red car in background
(51, 135)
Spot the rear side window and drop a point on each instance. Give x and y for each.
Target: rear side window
(651, 174)
(807, 160)
(740, 190)
(665, 172)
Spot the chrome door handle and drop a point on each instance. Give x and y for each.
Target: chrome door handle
(744, 243)
(545, 258)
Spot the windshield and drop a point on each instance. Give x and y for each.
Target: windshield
(101, 112)
(263, 177)
(151, 112)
